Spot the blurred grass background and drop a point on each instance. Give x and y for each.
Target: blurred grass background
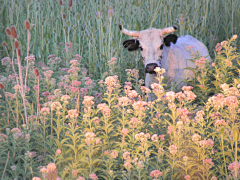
(92, 26)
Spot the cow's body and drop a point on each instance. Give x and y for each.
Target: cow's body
(176, 57)
(170, 52)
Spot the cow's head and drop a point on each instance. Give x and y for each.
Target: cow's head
(150, 42)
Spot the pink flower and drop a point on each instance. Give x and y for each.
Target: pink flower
(154, 138)
(170, 96)
(234, 36)
(114, 154)
(78, 56)
(140, 105)
(80, 178)
(162, 137)
(127, 164)
(173, 149)
(124, 131)
(46, 93)
(74, 89)
(58, 152)
(110, 12)
(72, 114)
(187, 177)
(98, 141)
(74, 173)
(88, 101)
(156, 174)
(214, 178)
(208, 163)
(218, 47)
(106, 152)
(181, 20)
(3, 137)
(15, 130)
(36, 178)
(111, 81)
(187, 88)
(134, 122)
(170, 130)
(51, 166)
(45, 111)
(93, 176)
(76, 83)
(231, 167)
(124, 101)
(126, 155)
(132, 94)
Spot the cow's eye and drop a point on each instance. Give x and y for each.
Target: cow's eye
(161, 47)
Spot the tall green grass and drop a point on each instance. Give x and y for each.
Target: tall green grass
(99, 39)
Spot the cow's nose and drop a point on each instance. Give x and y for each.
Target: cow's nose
(150, 67)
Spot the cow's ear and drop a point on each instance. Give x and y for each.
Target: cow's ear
(131, 44)
(170, 38)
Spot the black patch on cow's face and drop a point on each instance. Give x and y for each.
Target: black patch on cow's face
(161, 47)
(131, 44)
(170, 38)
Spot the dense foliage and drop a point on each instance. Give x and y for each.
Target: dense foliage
(79, 110)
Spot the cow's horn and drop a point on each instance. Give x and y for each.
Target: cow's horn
(169, 29)
(128, 32)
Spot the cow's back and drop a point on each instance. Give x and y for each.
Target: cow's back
(176, 57)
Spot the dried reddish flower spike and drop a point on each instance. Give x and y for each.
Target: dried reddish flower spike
(1, 86)
(14, 32)
(16, 44)
(60, 2)
(70, 3)
(4, 43)
(8, 31)
(36, 72)
(27, 24)
(19, 52)
(64, 15)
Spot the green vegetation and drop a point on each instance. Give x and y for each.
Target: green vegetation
(71, 110)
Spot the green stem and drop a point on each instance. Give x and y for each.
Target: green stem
(224, 157)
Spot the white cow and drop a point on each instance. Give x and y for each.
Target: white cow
(168, 52)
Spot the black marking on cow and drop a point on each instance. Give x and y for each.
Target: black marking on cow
(120, 26)
(161, 47)
(170, 38)
(131, 44)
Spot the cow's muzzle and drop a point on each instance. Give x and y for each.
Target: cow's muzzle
(150, 68)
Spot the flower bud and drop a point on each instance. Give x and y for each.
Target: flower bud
(13, 32)
(16, 44)
(60, 2)
(222, 131)
(8, 31)
(70, 3)
(19, 52)
(1, 86)
(27, 24)
(64, 15)
(4, 43)
(235, 134)
(36, 72)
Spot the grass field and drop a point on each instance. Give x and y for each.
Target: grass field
(70, 110)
